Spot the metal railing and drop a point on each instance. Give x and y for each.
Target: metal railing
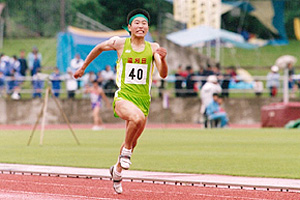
(25, 86)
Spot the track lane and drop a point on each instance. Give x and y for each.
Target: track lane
(43, 187)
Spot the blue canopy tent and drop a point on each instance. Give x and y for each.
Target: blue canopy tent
(82, 41)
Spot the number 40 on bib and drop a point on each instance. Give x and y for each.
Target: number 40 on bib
(136, 73)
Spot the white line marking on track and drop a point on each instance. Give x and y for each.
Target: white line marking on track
(54, 184)
(204, 195)
(57, 195)
(228, 197)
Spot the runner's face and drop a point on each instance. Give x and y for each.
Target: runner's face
(139, 27)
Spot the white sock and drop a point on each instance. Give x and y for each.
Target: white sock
(126, 152)
(119, 174)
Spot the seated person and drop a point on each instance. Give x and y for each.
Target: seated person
(215, 112)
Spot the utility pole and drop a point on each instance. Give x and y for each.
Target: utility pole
(62, 15)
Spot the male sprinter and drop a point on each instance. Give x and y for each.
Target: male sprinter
(134, 78)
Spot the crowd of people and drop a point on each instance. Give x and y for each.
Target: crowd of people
(210, 84)
(105, 78)
(14, 71)
(188, 83)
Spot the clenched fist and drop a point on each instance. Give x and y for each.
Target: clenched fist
(162, 52)
(79, 73)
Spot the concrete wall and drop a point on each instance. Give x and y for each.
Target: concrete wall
(181, 110)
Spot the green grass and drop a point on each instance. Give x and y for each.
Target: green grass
(263, 56)
(241, 152)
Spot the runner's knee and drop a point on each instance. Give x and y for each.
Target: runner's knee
(138, 119)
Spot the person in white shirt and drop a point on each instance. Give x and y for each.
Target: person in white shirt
(76, 63)
(108, 81)
(258, 87)
(71, 84)
(107, 75)
(209, 88)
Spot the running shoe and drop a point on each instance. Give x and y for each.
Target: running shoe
(117, 180)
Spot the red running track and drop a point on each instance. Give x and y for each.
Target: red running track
(33, 187)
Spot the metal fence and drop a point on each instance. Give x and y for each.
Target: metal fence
(28, 86)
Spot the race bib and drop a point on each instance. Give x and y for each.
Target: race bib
(135, 73)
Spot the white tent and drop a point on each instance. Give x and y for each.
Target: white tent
(200, 34)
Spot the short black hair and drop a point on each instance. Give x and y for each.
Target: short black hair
(221, 96)
(188, 68)
(138, 11)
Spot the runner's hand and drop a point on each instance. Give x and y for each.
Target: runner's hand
(79, 73)
(162, 52)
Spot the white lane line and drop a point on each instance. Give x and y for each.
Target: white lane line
(55, 195)
(204, 195)
(229, 197)
(53, 184)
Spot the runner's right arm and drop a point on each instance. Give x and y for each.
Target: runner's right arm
(111, 44)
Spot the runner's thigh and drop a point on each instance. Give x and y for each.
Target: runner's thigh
(128, 110)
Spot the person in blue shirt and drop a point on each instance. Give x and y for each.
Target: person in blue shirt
(38, 85)
(56, 82)
(34, 61)
(215, 112)
(2, 83)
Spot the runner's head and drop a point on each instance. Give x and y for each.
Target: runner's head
(138, 22)
(95, 84)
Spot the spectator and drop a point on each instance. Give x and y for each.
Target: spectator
(292, 82)
(71, 84)
(178, 82)
(75, 64)
(16, 85)
(208, 70)
(216, 70)
(15, 64)
(225, 82)
(96, 95)
(215, 112)
(202, 76)
(107, 75)
(5, 66)
(2, 83)
(108, 81)
(91, 77)
(10, 81)
(56, 82)
(34, 61)
(291, 74)
(211, 86)
(258, 87)
(190, 82)
(273, 82)
(233, 73)
(37, 84)
(99, 78)
(23, 63)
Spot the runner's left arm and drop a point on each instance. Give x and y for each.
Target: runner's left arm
(160, 54)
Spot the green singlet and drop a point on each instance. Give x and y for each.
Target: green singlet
(134, 76)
